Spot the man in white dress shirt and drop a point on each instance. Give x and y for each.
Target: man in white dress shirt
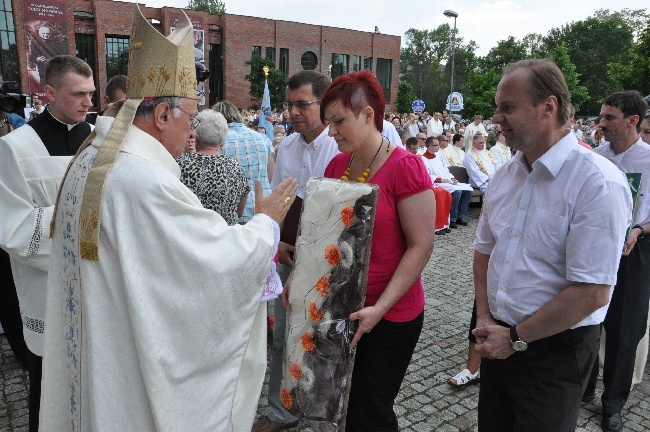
(540, 295)
(479, 163)
(302, 155)
(627, 317)
(500, 152)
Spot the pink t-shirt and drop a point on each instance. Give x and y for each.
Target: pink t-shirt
(401, 176)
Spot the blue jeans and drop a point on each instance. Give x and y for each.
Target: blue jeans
(459, 202)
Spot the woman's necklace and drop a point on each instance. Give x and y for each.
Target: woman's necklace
(364, 177)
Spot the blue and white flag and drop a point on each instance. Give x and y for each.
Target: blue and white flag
(265, 112)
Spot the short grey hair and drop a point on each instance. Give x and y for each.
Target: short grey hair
(229, 111)
(212, 130)
(146, 109)
(477, 136)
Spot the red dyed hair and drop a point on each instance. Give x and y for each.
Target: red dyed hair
(356, 91)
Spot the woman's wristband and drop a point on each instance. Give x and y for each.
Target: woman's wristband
(642, 231)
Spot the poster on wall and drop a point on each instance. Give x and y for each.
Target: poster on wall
(197, 23)
(46, 36)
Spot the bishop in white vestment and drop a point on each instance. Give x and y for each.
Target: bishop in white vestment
(155, 324)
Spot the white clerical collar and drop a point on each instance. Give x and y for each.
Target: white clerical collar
(70, 126)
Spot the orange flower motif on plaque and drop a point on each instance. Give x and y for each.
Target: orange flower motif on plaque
(332, 255)
(323, 286)
(295, 370)
(347, 214)
(314, 313)
(286, 399)
(308, 342)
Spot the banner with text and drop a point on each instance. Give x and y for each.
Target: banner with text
(46, 36)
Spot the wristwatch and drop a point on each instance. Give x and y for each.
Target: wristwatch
(517, 343)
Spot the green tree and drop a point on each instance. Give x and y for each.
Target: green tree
(579, 93)
(534, 45)
(505, 52)
(421, 62)
(276, 79)
(405, 97)
(591, 44)
(480, 91)
(635, 75)
(214, 7)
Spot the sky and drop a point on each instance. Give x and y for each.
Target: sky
(486, 22)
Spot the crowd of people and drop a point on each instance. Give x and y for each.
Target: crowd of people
(171, 221)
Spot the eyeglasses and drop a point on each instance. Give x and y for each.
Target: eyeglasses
(288, 105)
(422, 139)
(195, 121)
(434, 145)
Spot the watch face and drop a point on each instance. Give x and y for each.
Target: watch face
(519, 345)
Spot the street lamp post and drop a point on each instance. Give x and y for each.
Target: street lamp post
(449, 14)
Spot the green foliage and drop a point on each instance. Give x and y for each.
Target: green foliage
(405, 97)
(480, 90)
(560, 57)
(277, 81)
(592, 44)
(421, 63)
(635, 75)
(506, 52)
(214, 7)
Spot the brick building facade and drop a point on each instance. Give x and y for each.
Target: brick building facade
(98, 32)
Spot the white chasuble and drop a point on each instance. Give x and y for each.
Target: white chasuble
(163, 331)
(329, 282)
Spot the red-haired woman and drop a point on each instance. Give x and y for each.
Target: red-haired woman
(394, 309)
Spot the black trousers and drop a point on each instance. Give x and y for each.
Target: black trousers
(538, 390)
(10, 311)
(35, 368)
(379, 368)
(625, 325)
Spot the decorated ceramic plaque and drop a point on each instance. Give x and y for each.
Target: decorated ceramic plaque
(329, 283)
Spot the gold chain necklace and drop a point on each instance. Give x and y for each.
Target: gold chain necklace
(363, 177)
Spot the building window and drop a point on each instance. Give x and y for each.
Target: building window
(9, 67)
(256, 50)
(309, 61)
(270, 54)
(384, 73)
(356, 65)
(367, 63)
(339, 64)
(83, 16)
(85, 50)
(117, 56)
(284, 61)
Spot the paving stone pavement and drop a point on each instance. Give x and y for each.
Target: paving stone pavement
(425, 402)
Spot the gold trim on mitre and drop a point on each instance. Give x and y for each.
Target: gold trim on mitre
(158, 67)
(161, 66)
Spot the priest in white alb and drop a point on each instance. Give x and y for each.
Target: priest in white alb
(154, 318)
(500, 152)
(479, 163)
(461, 193)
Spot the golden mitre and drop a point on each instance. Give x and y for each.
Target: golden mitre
(159, 65)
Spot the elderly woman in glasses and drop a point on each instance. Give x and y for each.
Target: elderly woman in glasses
(353, 105)
(218, 181)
